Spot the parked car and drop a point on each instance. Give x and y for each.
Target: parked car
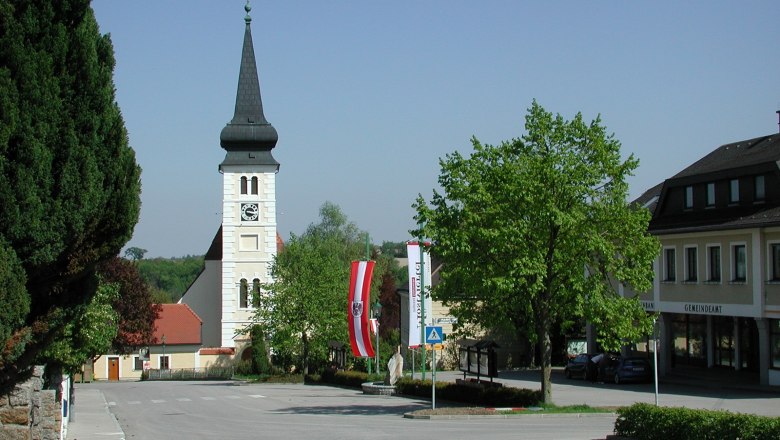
(628, 369)
(578, 367)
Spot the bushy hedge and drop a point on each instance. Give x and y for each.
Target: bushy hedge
(346, 378)
(648, 422)
(488, 396)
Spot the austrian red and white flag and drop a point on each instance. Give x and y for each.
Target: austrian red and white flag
(357, 315)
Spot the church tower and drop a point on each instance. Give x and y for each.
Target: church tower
(248, 198)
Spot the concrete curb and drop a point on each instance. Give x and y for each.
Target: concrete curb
(505, 416)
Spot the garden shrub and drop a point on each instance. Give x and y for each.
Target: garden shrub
(473, 395)
(643, 421)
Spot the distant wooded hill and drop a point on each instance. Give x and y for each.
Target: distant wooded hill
(169, 277)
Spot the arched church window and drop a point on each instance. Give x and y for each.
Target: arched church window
(254, 185)
(243, 185)
(255, 289)
(243, 296)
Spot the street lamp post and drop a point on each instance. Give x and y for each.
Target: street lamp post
(163, 352)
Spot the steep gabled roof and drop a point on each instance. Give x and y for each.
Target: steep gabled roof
(747, 153)
(736, 160)
(179, 324)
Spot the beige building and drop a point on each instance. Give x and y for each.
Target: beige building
(717, 278)
(177, 335)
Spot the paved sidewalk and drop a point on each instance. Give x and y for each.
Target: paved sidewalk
(91, 417)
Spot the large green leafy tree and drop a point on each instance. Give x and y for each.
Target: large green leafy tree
(537, 230)
(306, 305)
(69, 183)
(90, 334)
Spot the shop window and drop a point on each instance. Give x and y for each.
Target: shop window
(774, 336)
(254, 185)
(713, 263)
(669, 265)
(243, 185)
(739, 263)
(691, 273)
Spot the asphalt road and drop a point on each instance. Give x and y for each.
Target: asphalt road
(224, 410)
(233, 410)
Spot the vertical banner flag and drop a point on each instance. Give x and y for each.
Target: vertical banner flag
(357, 315)
(415, 292)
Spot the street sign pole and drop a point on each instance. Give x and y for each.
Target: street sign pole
(433, 336)
(433, 379)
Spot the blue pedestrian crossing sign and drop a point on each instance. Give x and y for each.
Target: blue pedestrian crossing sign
(433, 335)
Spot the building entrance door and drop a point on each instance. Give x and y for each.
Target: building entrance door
(113, 368)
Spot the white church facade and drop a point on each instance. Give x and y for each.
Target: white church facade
(239, 258)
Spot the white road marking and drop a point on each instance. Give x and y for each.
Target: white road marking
(158, 401)
(184, 399)
(209, 398)
(256, 396)
(134, 402)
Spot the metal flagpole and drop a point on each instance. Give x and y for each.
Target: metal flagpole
(422, 306)
(368, 256)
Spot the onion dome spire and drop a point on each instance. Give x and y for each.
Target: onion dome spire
(248, 131)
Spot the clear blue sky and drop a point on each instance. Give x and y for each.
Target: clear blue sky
(367, 95)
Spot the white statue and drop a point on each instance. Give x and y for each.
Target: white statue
(395, 368)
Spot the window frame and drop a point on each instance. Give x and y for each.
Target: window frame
(688, 197)
(710, 197)
(691, 267)
(735, 278)
(136, 364)
(773, 261)
(734, 191)
(710, 266)
(243, 185)
(254, 185)
(167, 358)
(759, 190)
(667, 277)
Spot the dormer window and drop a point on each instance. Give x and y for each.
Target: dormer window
(759, 190)
(734, 191)
(710, 194)
(688, 197)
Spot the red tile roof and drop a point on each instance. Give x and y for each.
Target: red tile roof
(179, 324)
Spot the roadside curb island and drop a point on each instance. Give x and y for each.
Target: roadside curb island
(504, 416)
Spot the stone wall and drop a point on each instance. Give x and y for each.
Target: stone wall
(30, 412)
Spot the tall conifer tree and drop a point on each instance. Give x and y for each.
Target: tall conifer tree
(69, 182)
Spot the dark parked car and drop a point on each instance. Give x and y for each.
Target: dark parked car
(578, 367)
(629, 369)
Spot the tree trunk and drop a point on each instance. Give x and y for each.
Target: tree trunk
(305, 340)
(546, 359)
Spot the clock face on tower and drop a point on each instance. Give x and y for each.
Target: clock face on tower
(250, 212)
